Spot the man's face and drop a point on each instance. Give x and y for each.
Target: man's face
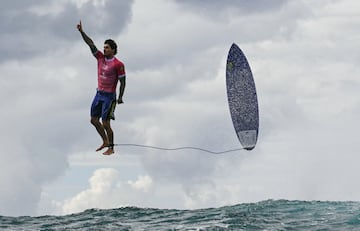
(107, 50)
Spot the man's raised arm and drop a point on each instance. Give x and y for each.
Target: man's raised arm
(86, 38)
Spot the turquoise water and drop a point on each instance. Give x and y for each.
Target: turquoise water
(265, 215)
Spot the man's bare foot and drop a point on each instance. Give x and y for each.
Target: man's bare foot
(109, 151)
(104, 145)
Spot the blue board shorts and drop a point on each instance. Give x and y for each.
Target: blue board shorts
(103, 105)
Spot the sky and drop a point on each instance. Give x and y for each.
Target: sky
(304, 57)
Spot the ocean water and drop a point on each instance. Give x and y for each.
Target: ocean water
(265, 215)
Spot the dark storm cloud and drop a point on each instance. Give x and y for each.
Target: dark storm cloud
(27, 34)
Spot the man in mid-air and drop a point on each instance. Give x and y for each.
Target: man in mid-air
(110, 71)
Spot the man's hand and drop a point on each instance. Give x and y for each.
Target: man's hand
(79, 26)
(120, 101)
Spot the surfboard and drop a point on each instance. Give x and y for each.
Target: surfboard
(242, 98)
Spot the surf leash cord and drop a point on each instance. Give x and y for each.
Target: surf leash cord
(178, 148)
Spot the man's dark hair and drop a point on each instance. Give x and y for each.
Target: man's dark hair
(112, 44)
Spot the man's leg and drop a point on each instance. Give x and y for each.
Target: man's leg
(110, 136)
(101, 130)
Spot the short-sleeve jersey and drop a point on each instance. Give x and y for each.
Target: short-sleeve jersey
(109, 72)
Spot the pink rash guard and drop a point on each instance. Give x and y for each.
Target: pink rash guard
(109, 72)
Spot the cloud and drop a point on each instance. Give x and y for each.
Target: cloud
(32, 29)
(43, 85)
(213, 8)
(304, 60)
(184, 101)
(106, 190)
(299, 69)
(144, 183)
